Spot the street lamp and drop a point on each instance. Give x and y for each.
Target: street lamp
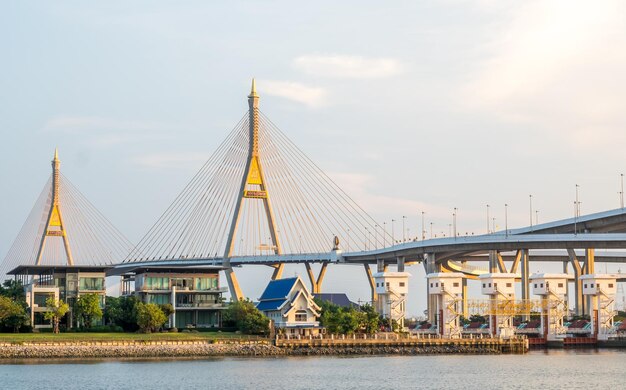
(530, 198)
(536, 217)
(393, 236)
(487, 219)
(431, 230)
(423, 231)
(621, 193)
(384, 234)
(454, 221)
(506, 220)
(403, 229)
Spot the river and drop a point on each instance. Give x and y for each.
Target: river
(567, 369)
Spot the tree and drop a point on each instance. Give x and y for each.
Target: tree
(88, 309)
(348, 320)
(150, 317)
(246, 317)
(12, 314)
(56, 311)
(13, 289)
(121, 312)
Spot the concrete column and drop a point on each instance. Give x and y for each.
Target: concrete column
(465, 307)
(278, 270)
(579, 305)
(493, 262)
(370, 279)
(525, 270)
(400, 260)
(591, 304)
(380, 265)
(431, 266)
(566, 288)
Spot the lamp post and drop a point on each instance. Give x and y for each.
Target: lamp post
(530, 199)
(423, 231)
(454, 221)
(576, 211)
(493, 224)
(384, 234)
(376, 235)
(431, 230)
(621, 193)
(403, 228)
(393, 236)
(536, 217)
(367, 235)
(487, 219)
(506, 220)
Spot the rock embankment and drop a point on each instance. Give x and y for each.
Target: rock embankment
(147, 350)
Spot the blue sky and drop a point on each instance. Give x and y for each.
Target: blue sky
(410, 106)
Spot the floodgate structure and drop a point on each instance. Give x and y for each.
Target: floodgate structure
(260, 201)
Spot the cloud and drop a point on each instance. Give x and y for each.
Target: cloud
(182, 160)
(307, 95)
(556, 64)
(340, 66)
(104, 132)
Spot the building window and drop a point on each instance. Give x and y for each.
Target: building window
(301, 316)
(484, 285)
(401, 284)
(585, 285)
(455, 284)
(387, 284)
(610, 285)
(437, 284)
(560, 284)
(489, 284)
(91, 284)
(495, 285)
(431, 285)
(591, 285)
(509, 285)
(206, 283)
(154, 283)
(159, 299)
(535, 285)
(541, 285)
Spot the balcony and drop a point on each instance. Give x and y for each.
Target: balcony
(200, 305)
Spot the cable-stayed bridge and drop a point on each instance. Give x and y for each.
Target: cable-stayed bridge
(260, 200)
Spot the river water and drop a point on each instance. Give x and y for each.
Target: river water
(579, 369)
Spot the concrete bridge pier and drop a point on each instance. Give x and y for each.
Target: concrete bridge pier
(588, 269)
(316, 283)
(579, 306)
(525, 270)
(431, 266)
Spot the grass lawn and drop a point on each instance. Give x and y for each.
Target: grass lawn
(50, 337)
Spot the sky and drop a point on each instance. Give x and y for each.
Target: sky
(410, 106)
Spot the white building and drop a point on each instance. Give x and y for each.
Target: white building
(501, 290)
(553, 289)
(602, 289)
(392, 289)
(447, 287)
(289, 304)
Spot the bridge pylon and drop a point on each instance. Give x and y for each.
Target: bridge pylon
(54, 226)
(253, 189)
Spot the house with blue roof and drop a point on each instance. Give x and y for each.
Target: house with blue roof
(290, 306)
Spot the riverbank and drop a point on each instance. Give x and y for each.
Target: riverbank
(170, 349)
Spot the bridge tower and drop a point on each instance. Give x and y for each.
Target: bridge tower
(253, 189)
(54, 222)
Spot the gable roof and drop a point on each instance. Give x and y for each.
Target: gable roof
(274, 304)
(278, 289)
